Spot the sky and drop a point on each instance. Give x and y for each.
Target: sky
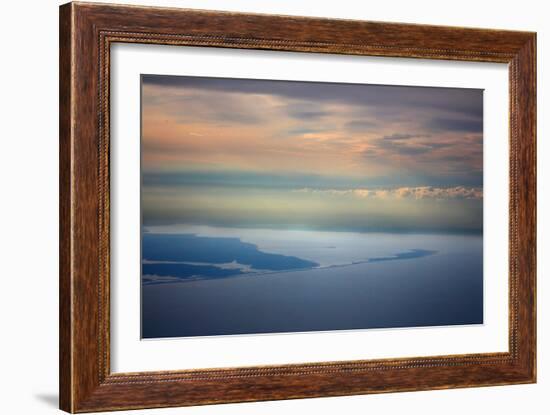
(308, 155)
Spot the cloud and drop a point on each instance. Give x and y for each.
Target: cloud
(474, 125)
(303, 130)
(241, 179)
(360, 125)
(362, 132)
(185, 106)
(412, 150)
(400, 144)
(421, 192)
(401, 137)
(308, 115)
(466, 101)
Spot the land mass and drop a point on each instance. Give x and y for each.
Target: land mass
(178, 257)
(159, 248)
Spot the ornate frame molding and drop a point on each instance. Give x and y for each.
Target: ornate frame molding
(87, 31)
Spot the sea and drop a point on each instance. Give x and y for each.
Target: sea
(209, 281)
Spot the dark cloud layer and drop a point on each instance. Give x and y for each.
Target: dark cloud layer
(468, 102)
(470, 125)
(255, 179)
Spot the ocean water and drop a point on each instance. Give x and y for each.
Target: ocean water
(204, 281)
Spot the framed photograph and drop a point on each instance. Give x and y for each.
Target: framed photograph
(260, 207)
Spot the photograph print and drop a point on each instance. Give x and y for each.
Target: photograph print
(273, 206)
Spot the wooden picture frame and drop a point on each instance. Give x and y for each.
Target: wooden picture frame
(86, 33)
